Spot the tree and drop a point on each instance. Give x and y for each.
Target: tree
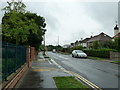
(15, 6)
(107, 44)
(117, 44)
(95, 45)
(50, 47)
(22, 27)
(35, 39)
(80, 47)
(16, 26)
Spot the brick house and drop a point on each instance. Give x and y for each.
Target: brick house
(101, 38)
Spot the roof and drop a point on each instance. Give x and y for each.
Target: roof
(117, 35)
(101, 37)
(85, 40)
(116, 27)
(76, 42)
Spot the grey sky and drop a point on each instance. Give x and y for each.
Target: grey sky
(74, 20)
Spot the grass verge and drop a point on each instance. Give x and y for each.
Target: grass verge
(95, 58)
(68, 82)
(111, 61)
(117, 62)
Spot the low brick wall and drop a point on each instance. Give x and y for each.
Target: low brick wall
(31, 54)
(115, 55)
(13, 81)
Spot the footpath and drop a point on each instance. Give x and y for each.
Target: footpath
(40, 74)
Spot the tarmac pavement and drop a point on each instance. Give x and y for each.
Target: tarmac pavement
(40, 74)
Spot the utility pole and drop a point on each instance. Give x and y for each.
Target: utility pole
(44, 45)
(58, 40)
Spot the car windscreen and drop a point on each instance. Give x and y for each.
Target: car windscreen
(78, 51)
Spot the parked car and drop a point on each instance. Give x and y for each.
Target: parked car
(54, 50)
(78, 53)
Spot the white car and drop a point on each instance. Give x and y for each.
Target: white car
(78, 53)
(54, 50)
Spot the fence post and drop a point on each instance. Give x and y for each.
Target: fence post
(28, 56)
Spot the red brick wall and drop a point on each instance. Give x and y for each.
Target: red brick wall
(114, 55)
(33, 53)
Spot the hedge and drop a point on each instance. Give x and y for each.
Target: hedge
(105, 53)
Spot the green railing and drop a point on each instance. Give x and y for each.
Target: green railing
(13, 57)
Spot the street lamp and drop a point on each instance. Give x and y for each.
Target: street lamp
(44, 45)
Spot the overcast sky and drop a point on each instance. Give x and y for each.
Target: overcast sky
(73, 20)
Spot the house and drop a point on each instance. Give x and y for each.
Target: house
(84, 42)
(102, 37)
(76, 43)
(66, 46)
(117, 35)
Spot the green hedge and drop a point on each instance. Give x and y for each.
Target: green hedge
(103, 53)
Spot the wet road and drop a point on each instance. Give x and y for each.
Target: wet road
(103, 74)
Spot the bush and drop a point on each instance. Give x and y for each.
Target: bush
(68, 50)
(80, 47)
(117, 44)
(103, 53)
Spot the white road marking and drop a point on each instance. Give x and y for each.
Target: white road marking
(49, 62)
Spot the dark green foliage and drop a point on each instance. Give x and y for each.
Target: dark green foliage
(96, 45)
(117, 44)
(41, 48)
(103, 53)
(50, 47)
(67, 50)
(58, 48)
(80, 47)
(15, 6)
(107, 44)
(20, 27)
(35, 39)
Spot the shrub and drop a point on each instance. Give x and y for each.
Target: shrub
(103, 52)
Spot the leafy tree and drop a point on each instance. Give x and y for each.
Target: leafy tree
(107, 44)
(117, 44)
(35, 39)
(80, 47)
(15, 6)
(58, 48)
(20, 27)
(95, 45)
(16, 26)
(50, 47)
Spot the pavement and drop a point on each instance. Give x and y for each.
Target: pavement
(40, 74)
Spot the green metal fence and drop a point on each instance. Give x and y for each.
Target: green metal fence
(13, 57)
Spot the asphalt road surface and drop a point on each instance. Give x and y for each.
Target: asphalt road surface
(102, 74)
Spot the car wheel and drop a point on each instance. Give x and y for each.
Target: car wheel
(77, 55)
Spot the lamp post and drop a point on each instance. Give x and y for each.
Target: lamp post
(44, 45)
